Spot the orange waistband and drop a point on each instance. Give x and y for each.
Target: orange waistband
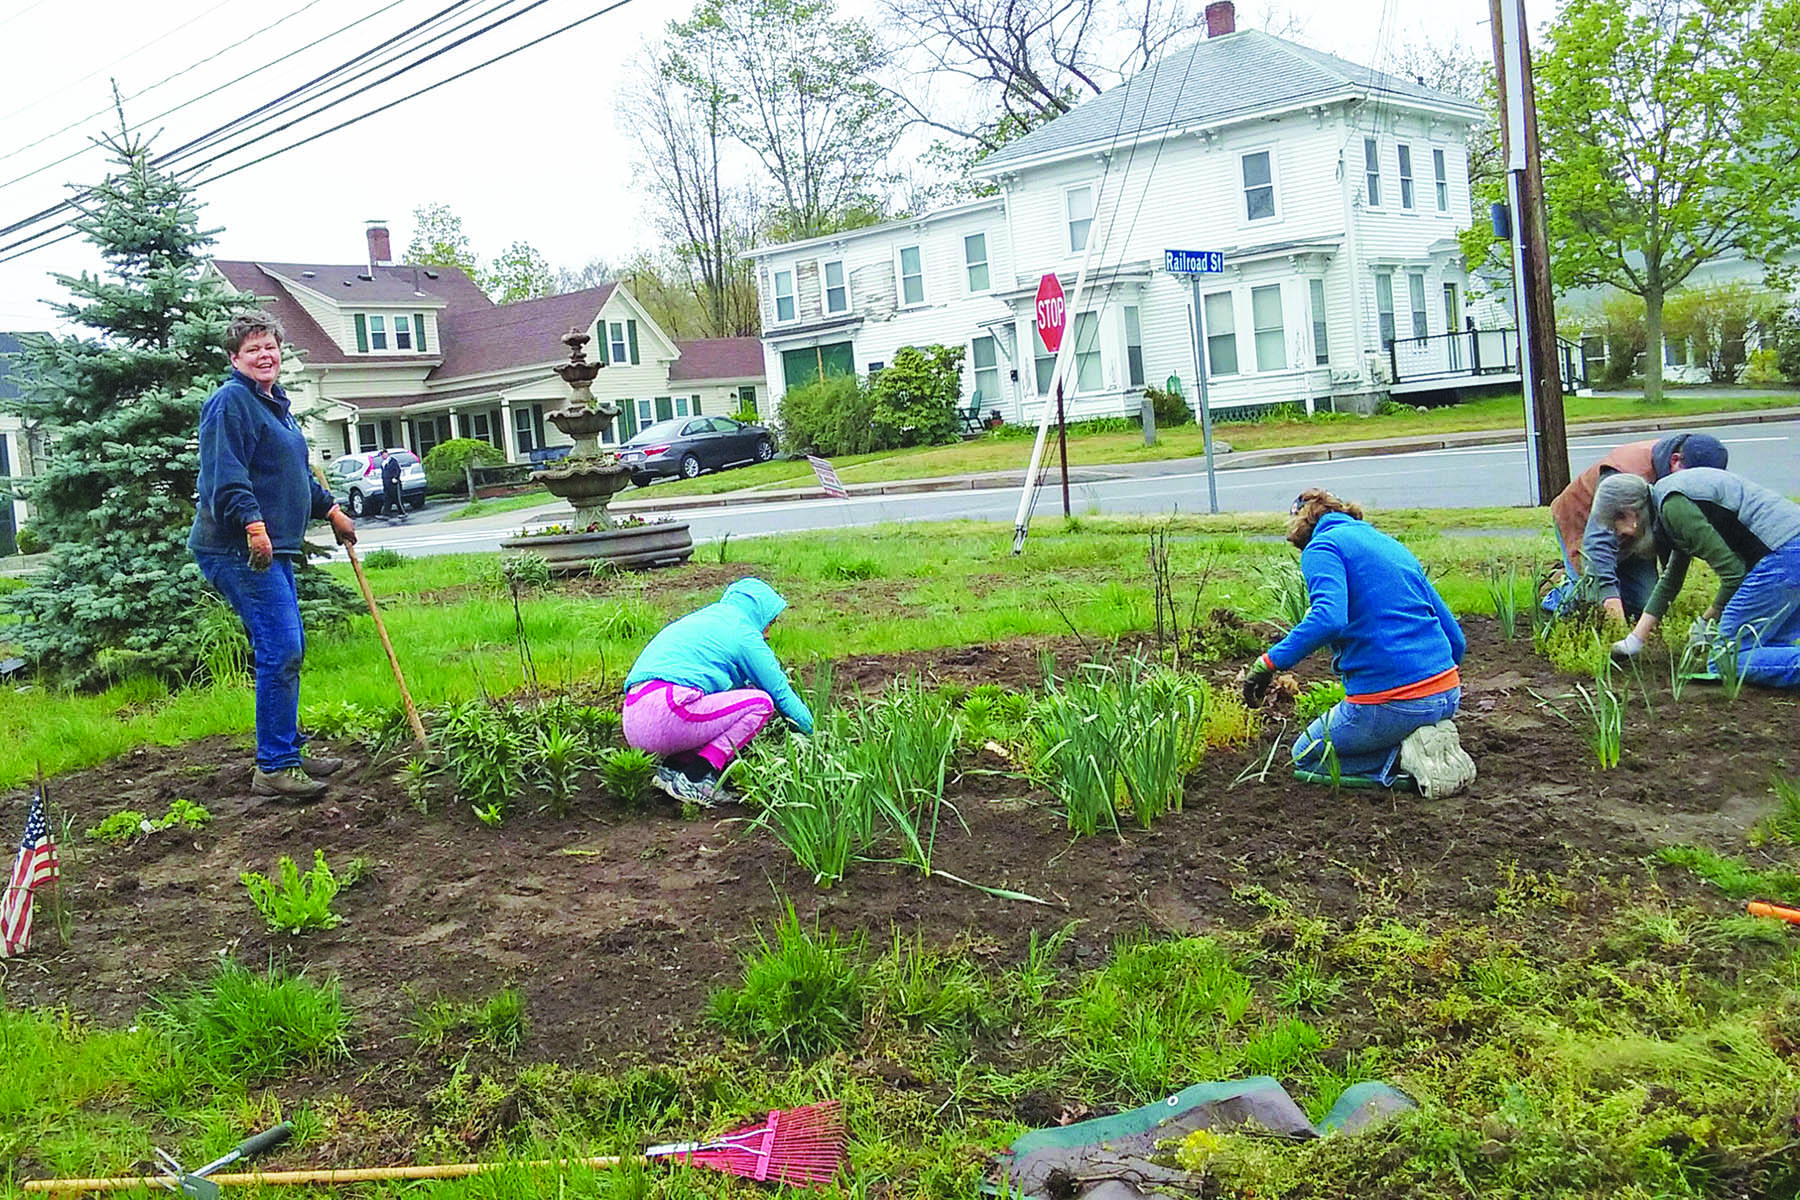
(1443, 681)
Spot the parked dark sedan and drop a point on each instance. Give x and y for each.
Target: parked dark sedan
(687, 446)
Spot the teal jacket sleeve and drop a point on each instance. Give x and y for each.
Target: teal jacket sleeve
(765, 672)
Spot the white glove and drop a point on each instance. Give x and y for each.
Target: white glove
(1702, 632)
(1627, 646)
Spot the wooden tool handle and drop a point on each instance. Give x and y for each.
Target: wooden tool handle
(412, 713)
(326, 1175)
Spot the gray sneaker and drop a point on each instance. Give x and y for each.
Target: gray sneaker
(290, 783)
(678, 786)
(320, 766)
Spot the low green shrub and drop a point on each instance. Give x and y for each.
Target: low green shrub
(29, 542)
(445, 463)
(831, 417)
(385, 558)
(298, 901)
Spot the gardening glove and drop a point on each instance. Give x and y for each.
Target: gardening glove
(1257, 678)
(342, 526)
(262, 550)
(1702, 633)
(1627, 647)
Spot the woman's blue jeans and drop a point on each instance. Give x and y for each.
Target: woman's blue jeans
(1763, 615)
(1366, 737)
(270, 609)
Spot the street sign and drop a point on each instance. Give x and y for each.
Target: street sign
(1193, 262)
(1052, 312)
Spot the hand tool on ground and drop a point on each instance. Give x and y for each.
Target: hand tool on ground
(412, 713)
(796, 1146)
(193, 1184)
(1781, 912)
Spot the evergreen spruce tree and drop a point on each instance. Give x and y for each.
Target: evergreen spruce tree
(120, 412)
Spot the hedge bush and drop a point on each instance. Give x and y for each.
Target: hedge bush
(444, 466)
(830, 416)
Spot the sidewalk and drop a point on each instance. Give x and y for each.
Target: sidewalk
(1227, 461)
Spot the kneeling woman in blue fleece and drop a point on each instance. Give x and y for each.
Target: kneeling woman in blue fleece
(1393, 640)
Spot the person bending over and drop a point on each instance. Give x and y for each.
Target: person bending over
(705, 685)
(1395, 643)
(1621, 577)
(1748, 535)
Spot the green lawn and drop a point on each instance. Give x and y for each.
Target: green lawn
(1103, 449)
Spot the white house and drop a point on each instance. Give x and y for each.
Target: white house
(404, 355)
(1334, 192)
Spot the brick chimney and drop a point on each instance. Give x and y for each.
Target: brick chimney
(1221, 18)
(381, 254)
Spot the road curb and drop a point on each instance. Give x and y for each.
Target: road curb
(1236, 460)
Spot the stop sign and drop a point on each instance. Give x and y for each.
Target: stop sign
(1052, 312)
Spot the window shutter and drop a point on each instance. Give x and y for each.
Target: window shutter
(601, 327)
(631, 332)
(362, 334)
(419, 332)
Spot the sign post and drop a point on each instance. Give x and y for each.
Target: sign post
(1052, 320)
(1193, 264)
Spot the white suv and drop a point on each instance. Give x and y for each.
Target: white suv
(355, 480)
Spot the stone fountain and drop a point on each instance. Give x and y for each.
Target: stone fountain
(588, 478)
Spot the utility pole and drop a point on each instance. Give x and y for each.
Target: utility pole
(1546, 436)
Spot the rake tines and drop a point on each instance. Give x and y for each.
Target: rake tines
(801, 1145)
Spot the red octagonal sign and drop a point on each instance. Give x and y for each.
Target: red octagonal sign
(1052, 313)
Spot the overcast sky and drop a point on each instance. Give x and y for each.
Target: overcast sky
(526, 149)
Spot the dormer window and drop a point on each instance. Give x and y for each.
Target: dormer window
(377, 332)
(402, 334)
(389, 333)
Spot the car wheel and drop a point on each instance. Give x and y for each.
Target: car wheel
(356, 507)
(643, 480)
(690, 467)
(419, 504)
(765, 449)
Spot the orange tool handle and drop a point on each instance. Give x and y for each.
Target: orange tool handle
(1781, 912)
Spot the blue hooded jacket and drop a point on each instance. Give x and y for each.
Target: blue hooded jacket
(1372, 604)
(253, 467)
(721, 647)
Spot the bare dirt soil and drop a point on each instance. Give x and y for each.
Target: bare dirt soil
(616, 924)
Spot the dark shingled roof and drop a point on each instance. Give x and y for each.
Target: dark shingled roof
(396, 284)
(505, 336)
(1218, 79)
(718, 358)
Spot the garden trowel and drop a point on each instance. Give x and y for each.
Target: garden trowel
(196, 1185)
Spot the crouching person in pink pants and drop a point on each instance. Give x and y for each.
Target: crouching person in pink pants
(705, 685)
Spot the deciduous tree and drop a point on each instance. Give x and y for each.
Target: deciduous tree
(438, 240)
(519, 272)
(796, 85)
(1671, 137)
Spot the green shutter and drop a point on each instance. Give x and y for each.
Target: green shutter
(627, 419)
(665, 408)
(601, 326)
(697, 406)
(419, 332)
(362, 334)
(631, 332)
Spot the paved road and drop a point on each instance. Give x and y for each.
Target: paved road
(1473, 477)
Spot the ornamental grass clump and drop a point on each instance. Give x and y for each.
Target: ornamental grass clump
(908, 742)
(816, 797)
(1605, 711)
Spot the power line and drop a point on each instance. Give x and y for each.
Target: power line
(28, 8)
(178, 74)
(195, 168)
(169, 157)
(162, 37)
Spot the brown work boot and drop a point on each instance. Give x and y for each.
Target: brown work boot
(290, 783)
(319, 767)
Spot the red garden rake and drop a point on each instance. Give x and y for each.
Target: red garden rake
(797, 1146)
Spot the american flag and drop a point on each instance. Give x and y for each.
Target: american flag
(37, 863)
(828, 479)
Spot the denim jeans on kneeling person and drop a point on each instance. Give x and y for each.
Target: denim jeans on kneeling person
(1763, 617)
(270, 609)
(1367, 737)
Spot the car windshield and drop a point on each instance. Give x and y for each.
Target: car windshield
(662, 431)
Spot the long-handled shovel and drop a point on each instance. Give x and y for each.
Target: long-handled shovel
(412, 713)
(798, 1146)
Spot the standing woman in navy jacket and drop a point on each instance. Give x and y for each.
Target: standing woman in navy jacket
(1393, 641)
(257, 494)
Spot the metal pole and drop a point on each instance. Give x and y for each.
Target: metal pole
(1062, 445)
(1522, 322)
(1206, 439)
